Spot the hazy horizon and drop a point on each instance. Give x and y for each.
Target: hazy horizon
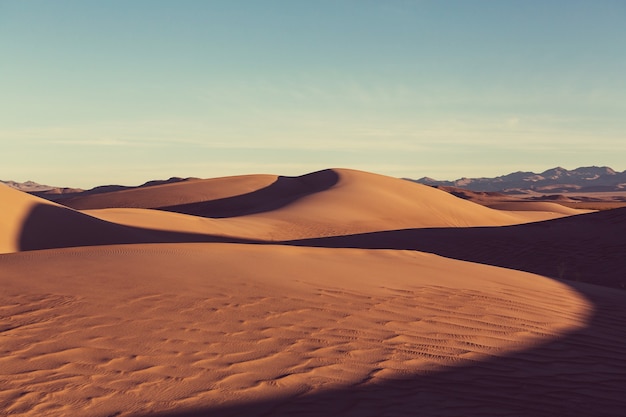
(178, 176)
(121, 92)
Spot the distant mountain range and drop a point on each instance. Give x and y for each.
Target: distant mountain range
(60, 193)
(555, 180)
(28, 186)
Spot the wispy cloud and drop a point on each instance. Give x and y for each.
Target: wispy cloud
(304, 133)
(95, 142)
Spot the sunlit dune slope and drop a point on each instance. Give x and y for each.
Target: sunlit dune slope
(121, 323)
(256, 207)
(588, 247)
(28, 223)
(324, 203)
(361, 199)
(173, 194)
(542, 206)
(135, 329)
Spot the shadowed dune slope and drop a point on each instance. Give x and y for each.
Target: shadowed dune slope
(363, 324)
(360, 197)
(216, 198)
(325, 203)
(587, 248)
(28, 222)
(173, 194)
(31, 223)
(137, 329)
(326, 195)
(14, 208)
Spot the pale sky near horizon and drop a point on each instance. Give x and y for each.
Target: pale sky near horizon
(102, 92)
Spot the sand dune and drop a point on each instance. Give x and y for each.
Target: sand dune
(326, 203)
(317, 194)
(31, 223)
(584, 248)
(540, 206)
(361, 199)
(129, 330)
(28, 222)
(173, 194)
(120, 313)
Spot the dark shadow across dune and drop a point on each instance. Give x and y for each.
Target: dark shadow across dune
(283, 191)
(583, 373)
(51, 227)
(584, 248)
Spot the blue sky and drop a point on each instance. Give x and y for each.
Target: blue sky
(100, 92)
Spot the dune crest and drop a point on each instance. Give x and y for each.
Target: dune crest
(541, 206)
(32, 223)
(172, 194)
(28, 222)
(207, 297)
(15, 208)
(325, 203)
(332, 202)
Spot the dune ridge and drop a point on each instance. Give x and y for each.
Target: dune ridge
(583, 248)
(542, 206)
(310, 295)
(58, 227)
(31, 223)
(172, 194)
(209, 329)
(326, 203)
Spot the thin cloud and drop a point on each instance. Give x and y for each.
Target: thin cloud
(95, 142)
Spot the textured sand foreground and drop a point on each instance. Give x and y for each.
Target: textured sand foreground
(138, 312)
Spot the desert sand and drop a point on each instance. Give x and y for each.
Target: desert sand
(335, 293)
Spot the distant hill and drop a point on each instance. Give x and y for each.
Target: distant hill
(28, 186)
(552, 181)
(555, 180)
(53, 193)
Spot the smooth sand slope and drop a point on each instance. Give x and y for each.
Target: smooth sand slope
(160, 325)
(540, 206)
(28, 222)
(128, 330)
(501, 201)
(326, 203)
(31, 223)
(585, 248)
(173, 194)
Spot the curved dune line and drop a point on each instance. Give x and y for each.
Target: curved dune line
(155, 327)
(121, 323)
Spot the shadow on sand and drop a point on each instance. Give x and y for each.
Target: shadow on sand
(582, 373)
(51, 227)
(283, 191)
(584, 248)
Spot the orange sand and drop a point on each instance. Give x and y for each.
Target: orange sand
(132, 311)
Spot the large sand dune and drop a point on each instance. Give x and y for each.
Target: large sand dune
(326, 203)
(28, 222)
(172, 194)
(31, 223)
(584, 248)
(120, 313)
